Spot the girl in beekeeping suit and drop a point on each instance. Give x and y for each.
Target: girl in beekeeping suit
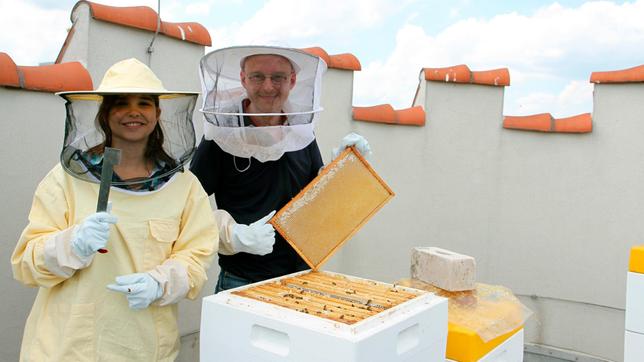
(109, 281)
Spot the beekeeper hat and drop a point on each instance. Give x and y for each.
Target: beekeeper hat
(129, 76)
(83, 132)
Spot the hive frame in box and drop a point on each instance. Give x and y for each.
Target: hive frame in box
(236, 329)
(334, 215)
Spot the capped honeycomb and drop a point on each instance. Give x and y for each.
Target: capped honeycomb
(333, 207)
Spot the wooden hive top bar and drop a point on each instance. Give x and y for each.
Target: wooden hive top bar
(330, 296)
(333, 207)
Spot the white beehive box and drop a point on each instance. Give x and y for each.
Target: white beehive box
(634, 314)
(238, 328)
(634, 318)
(321, 316)
(633, 346)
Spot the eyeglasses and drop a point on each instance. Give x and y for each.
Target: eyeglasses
(259, 78)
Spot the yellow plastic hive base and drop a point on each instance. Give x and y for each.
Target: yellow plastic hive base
(636, 263)
(464, 345)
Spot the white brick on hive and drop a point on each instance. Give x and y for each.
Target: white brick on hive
(443, 268)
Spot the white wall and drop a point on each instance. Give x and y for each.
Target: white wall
(549, 215)
(31, 130)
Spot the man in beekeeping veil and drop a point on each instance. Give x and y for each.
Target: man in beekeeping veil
(259, 150)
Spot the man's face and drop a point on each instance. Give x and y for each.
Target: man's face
(268, 79)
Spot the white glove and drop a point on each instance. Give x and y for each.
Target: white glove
(257, 238)
(353, 139)
(139, 288)
(92, 234)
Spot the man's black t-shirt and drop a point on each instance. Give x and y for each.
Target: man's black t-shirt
(251, 195)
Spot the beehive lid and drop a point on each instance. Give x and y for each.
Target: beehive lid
(332, 207)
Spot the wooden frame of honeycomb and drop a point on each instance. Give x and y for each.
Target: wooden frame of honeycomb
(330, 296)
(332, 207)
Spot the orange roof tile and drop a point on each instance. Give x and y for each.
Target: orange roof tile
(544, 122)
(47, 78)
(143, 17)
(384, 113)
(457, 74)
(630, 75)
(462, 74)
(345, 61)
(192, 32)
(8, 72)
(317, 51)
(57, 77)
(411, 116)
(581, 123)
(497, 77)
(338, 61)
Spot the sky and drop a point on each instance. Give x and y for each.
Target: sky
(550, 48)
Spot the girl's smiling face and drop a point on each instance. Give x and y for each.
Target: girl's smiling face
(132, 119)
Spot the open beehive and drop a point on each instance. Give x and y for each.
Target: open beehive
(322, 217)
(320, 316)
(330, 296)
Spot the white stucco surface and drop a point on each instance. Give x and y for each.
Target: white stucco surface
(31, 134)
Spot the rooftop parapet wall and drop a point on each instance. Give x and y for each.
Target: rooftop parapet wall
(145, 18)
(173, 54)
(549, 216)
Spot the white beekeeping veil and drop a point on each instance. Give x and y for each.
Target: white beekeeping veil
(85, 137)
(224, 96)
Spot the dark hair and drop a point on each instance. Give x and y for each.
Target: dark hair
(154, 149)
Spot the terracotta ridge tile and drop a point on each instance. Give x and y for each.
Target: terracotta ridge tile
(9, 76)
(47, 78)
(317, 51)
(581, 123)
(630, 75)
(456, 74)
(188, 31)
(345, 61)
(462, 74)
(537, 122)
(57, 77)
(385, 113)
(144, 17)
(544, 122)
(495, 77)
(413, 116)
